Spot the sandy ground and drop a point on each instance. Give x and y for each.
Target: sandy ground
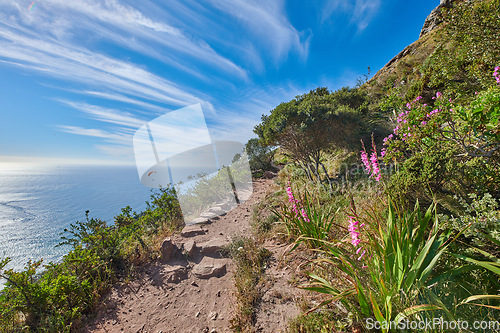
(196, 295)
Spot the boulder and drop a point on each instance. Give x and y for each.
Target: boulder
(199, 220)
(435, 18)
(168, 250)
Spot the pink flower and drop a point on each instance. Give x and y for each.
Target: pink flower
(374, 161)
(304, 215)
(423, 123)
(292, 200)
(438, 94)
(361, 256)
(364, 159)
(353, 230)
(294, 203)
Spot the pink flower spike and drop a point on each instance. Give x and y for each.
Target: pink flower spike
(304, 215)
(364, 266)
(364, 159)
(359, 250)
(361, 256)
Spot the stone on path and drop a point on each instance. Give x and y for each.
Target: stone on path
(213, 246)
(168, 250)
(175, 274)
(209, 267)
(190, 247)
(192, 230)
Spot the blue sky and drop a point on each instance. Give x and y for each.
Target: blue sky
(78, 78)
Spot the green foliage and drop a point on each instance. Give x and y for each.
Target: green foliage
(481, 214)
(260, 157)
(394, 269)
(250, 260)
(447, 148)
(307, 224)
(323, 322)
(311, 124)
(468, 50)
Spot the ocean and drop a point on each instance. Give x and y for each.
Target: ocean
(37, 203)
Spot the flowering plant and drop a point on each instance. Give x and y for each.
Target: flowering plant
(392, 271)
(474, 129)
(305, 219)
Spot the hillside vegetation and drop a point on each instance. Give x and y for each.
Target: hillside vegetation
(394, 184)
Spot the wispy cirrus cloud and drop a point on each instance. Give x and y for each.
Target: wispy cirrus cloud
(361, 12)
(267, 21)
(115, 137)
(148, 58)
(112, 116)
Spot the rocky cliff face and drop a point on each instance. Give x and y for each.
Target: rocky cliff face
(434, 19)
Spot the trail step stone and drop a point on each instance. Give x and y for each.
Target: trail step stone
(199, 220)
(210, 267)
(213, 246)
(189, 247)
(192, 230)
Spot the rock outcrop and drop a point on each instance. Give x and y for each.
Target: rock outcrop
(435, 18)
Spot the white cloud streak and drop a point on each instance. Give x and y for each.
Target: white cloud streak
(268, 22)
(361, 12)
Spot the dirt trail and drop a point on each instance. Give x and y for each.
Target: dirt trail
(196, 295)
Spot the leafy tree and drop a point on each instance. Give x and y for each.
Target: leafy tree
(313, 123)
(260, 156)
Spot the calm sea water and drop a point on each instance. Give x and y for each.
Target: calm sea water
(37, 203)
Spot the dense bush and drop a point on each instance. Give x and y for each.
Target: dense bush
(447, 148)
(311, 124)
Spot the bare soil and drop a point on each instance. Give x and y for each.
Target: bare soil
(197, 294)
